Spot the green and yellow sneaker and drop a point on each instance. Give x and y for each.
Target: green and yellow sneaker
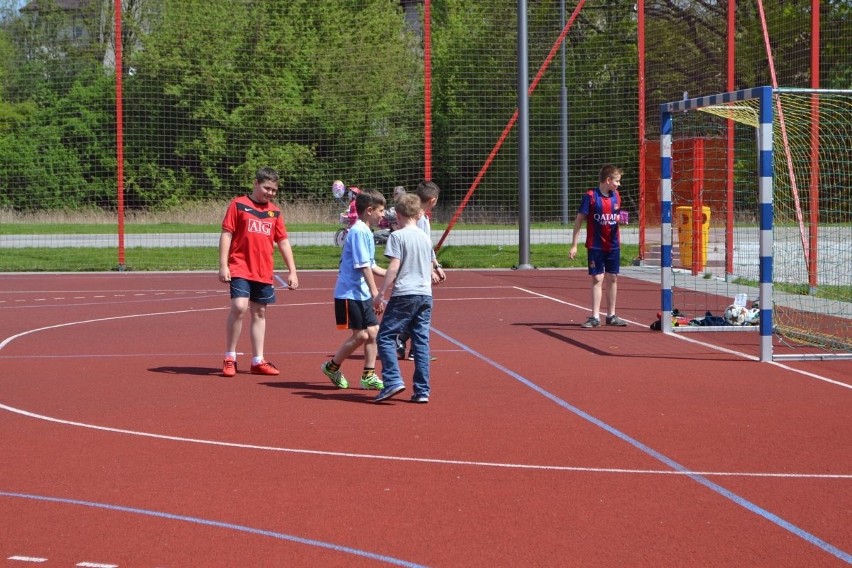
(372, 382)
(335, 377)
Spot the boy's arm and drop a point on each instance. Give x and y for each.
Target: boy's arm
(378, 270)
(390, 277)
(287, 254)
(224, 248)
(578, 224)
(367, 271)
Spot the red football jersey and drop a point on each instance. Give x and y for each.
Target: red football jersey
(255, 228)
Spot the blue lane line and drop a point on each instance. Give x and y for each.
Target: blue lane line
(827, 547)
(271, 534)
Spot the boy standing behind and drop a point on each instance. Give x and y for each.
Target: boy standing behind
(355, 292)
(252, 225)
(428, 192)
(410, 307)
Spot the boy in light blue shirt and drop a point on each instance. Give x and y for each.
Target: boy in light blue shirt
(355, 292)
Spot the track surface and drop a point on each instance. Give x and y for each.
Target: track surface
(544, 444)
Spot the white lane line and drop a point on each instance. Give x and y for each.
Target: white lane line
(500, 465)
(31, 559)
(709, 345)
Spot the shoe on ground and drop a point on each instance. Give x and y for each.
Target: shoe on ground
(229, 368)
(411, 356)
(420, 398)
(591, 322)
(372, 382)
(265, 368)
(616, 321)
(336, 377)
(388, 392)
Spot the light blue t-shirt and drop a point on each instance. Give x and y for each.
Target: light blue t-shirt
(414, 250)
(359, 251)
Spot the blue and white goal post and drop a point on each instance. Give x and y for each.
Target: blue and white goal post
(763, 110)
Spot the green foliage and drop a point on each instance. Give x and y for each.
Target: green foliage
(60, 149)
(269, 82)
(326, 89)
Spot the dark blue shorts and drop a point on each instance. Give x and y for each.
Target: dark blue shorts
(601, 261)
(258, 292)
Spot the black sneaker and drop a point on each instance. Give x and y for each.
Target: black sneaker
(400, 350)
(615, 320)
(591, 322)
(411, 356)
(420, 398)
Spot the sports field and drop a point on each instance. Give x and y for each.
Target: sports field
(543, 444)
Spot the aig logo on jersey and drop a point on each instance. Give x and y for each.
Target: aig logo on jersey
(258, 226)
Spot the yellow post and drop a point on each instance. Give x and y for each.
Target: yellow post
(685, 234)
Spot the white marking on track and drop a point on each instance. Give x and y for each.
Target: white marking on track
(5, 342)
(709, 345)
(411, 459)
(31, 559)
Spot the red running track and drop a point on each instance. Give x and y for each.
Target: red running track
(544, 444)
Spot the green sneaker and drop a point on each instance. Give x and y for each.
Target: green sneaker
(335, 377)
(372, 382)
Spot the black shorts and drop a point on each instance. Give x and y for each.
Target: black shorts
(354, 314)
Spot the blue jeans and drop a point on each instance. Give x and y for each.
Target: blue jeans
(412, 314)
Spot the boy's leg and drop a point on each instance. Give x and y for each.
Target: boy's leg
(396, 318)
(234, 324)
(369, 378)
(258, 329)
(401, 340)
(597, 293)
(611, 284)
(596, 271)
(371, 350)
(347, 315)
(420, 329)
(348, 347)
(613, 265)
(262, 294)
(233, 328)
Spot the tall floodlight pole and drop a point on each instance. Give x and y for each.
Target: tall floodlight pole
(523, 142)
(119, 134)
(563, 105)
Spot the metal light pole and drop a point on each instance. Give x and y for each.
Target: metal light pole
(563, 104)
(523, 142)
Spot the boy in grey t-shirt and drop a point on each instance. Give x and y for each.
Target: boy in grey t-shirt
(410, 307)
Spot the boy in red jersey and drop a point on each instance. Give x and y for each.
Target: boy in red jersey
(600, 208)
(252, 226)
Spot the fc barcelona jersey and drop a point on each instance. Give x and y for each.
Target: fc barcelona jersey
(255, 228)
(601, 213)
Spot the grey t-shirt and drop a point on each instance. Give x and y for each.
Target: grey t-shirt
(414, 250)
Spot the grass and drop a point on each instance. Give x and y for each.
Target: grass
(206, 218)
(307, 258)
(825, 292)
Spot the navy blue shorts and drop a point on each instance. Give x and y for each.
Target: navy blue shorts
(258, 292)
(601, 261)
